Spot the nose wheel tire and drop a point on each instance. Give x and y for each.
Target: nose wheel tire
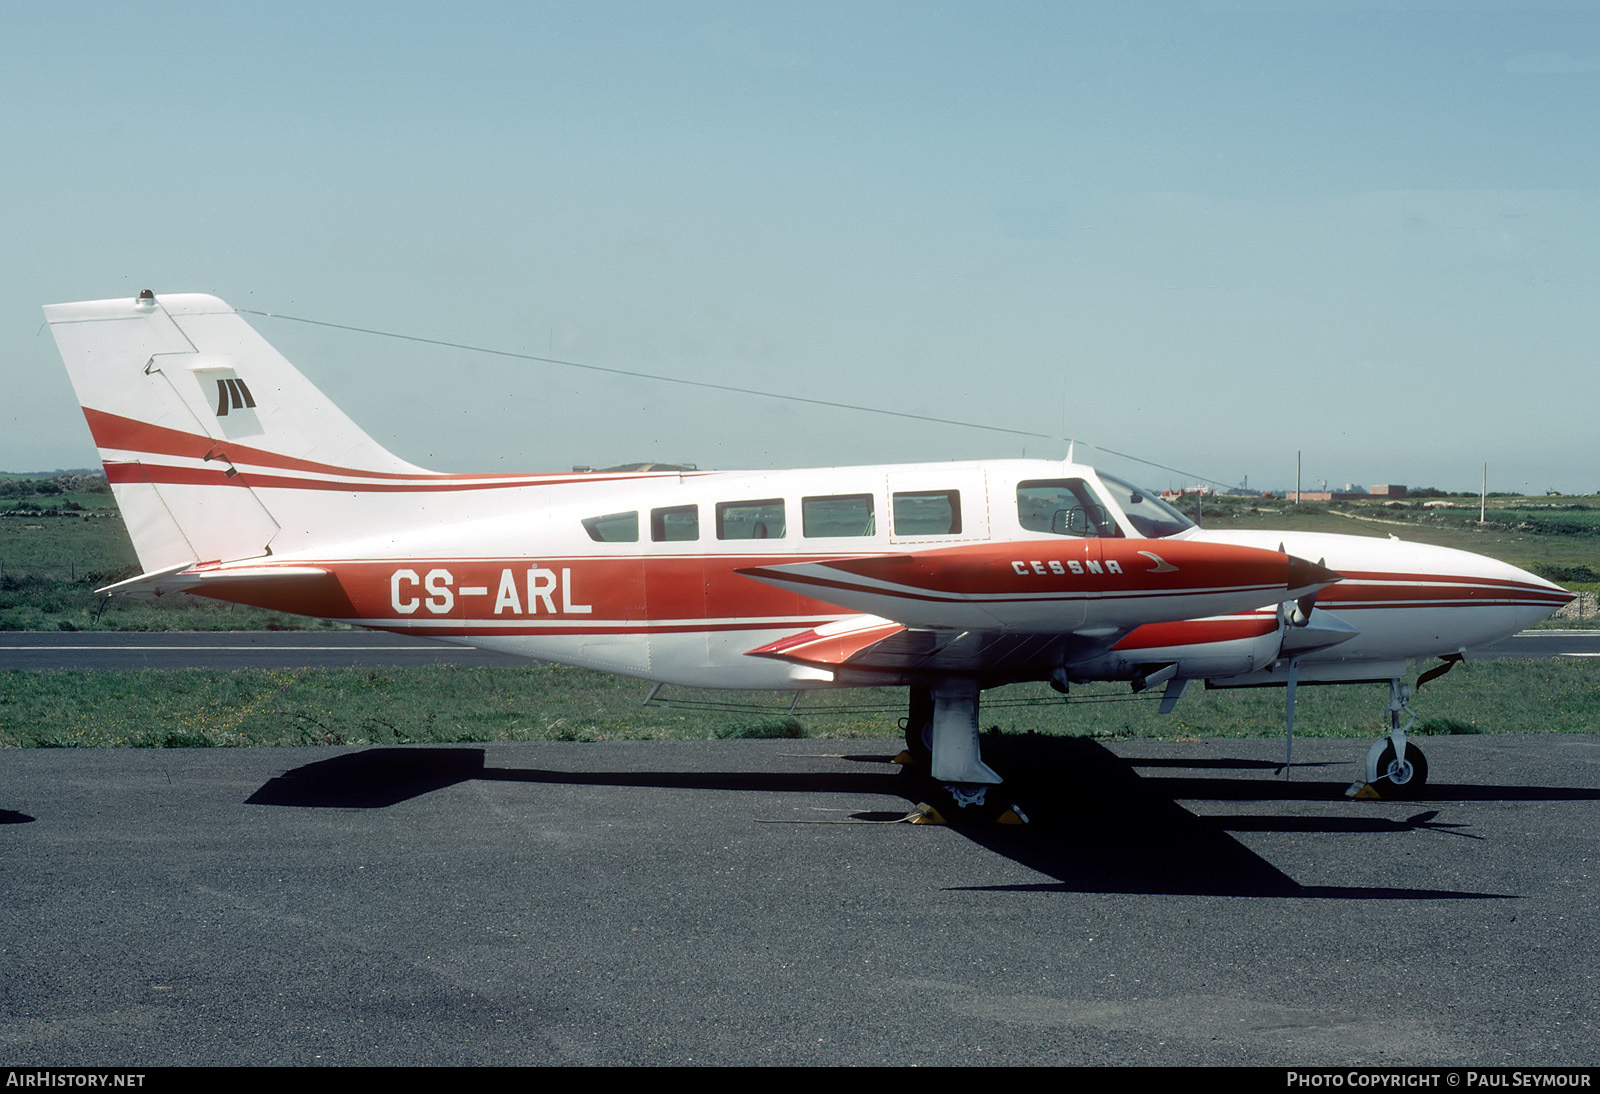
(1401, 779)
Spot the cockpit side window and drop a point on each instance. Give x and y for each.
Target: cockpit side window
(1150, 516)
(1063, 507)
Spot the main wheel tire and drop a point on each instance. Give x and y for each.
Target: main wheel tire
(919, 726)
(1409, 781)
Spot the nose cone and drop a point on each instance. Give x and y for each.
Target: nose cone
(1543, 583)
(1515, 588)
(1463, 599)
(1305, 577)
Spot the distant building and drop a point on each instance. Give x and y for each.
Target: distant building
(1390, 491)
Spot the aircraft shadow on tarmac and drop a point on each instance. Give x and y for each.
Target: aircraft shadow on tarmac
(1095, 824)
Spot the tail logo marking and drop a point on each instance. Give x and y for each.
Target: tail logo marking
(1162, 566)
(234, 394)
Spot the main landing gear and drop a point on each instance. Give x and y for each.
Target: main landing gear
(1395, 769)
(941, 730)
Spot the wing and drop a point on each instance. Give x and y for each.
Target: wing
(1017, 609)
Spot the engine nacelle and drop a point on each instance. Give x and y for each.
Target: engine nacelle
(1218, 646)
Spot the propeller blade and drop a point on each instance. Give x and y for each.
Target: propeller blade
(1300, 614)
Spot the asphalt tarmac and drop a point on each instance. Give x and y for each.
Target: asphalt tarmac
(757, 902)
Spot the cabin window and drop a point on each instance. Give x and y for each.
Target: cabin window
(613, 528)
(837, 515)
(927, 513)
(1063, 507)
(675, 524)
(750, 519)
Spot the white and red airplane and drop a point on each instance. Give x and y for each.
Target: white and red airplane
(239, 480)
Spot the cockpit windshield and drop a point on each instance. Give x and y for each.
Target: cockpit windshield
(1149, 515)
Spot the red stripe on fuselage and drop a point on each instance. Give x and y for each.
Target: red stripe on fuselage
(456, 592)
(199, 476)
(702, 593)
(1366, 590)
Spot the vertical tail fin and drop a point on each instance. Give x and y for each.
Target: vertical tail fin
(211, 439)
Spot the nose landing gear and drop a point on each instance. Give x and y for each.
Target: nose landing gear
(1395, 769)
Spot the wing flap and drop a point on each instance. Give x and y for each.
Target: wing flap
(877, 647)
(832, 644)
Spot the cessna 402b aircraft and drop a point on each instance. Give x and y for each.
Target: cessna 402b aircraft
(239, 480)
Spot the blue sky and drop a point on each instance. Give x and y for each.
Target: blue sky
(1206, 234)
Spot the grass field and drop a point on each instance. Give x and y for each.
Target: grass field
(199, 708)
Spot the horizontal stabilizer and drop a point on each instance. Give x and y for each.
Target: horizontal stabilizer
(154, 584)
(299, 590)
